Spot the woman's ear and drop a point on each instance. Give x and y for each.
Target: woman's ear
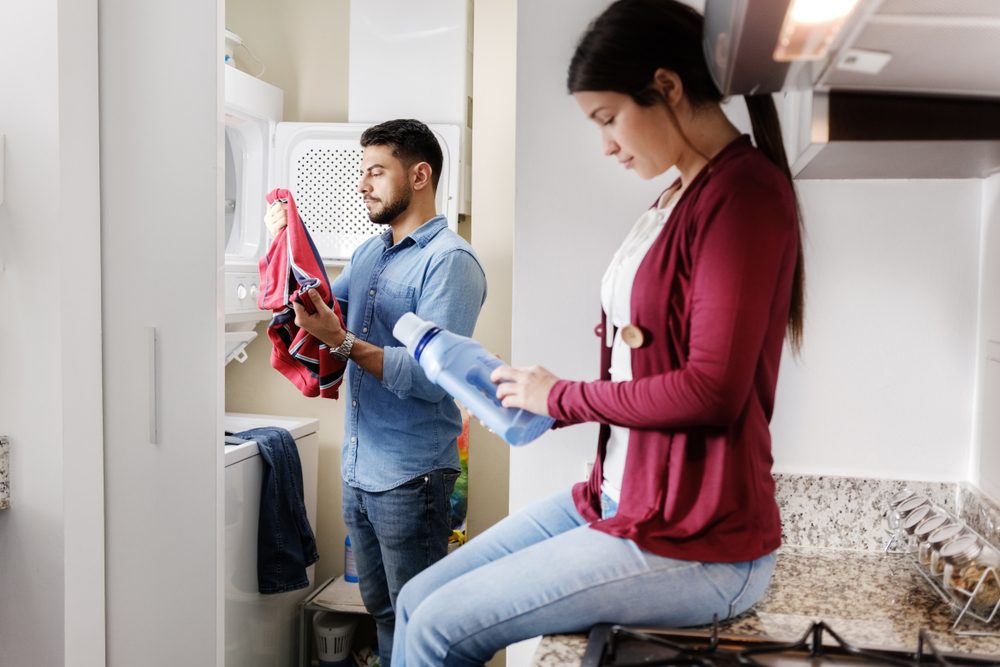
(668, 84)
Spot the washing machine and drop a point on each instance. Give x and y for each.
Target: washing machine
(261, 630)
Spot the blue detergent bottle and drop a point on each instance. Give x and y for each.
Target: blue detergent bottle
(462, 367)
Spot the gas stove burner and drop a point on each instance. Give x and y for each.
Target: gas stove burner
(619, 646)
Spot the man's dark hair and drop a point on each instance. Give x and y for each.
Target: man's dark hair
(411, 142)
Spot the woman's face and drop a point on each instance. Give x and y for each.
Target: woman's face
(640, 138)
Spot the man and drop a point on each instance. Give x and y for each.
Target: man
(399, 457)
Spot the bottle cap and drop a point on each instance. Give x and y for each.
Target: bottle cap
(961, 549)
(914, 518)
(911, 504)
(899, 497)
(410, 329)
(945, 534)
(929, 525)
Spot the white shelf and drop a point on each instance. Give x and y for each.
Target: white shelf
(338, 595)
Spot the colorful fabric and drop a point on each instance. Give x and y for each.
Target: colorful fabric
(291, 267)
(460, 496)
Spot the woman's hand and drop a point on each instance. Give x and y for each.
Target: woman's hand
(526, 388)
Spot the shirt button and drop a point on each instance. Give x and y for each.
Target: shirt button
(364, 330)
(633, 336)
(599, 331)
(354, 404)
(371, 292)
(354, 438)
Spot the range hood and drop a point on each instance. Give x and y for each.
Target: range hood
(908, 89)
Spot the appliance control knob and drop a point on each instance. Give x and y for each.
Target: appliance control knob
(241, 291)
(253, 291)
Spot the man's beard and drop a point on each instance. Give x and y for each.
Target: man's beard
(391, 210)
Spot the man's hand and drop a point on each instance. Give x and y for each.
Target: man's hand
(323, 324)
(526, 388)
(276, 218)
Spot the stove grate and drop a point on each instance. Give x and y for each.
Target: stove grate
(620, 646)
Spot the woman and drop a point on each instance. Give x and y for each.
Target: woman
(678, 522)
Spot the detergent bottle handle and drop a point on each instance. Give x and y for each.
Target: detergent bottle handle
(479, 377)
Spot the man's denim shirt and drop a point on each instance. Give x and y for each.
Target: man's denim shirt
(404, 425)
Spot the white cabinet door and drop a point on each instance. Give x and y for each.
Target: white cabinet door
(161, 143)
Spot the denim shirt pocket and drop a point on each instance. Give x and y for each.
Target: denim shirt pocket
(394, 299)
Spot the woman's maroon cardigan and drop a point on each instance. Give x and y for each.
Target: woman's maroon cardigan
(711, 298)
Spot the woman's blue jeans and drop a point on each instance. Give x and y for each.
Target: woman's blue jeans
(544, 571)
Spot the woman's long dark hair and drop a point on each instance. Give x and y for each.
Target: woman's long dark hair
(621, 51)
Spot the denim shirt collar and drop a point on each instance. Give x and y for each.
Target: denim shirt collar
(422, 235)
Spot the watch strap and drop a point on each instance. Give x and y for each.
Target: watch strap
(343, 351)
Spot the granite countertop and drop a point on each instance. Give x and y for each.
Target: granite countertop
(4, 473)
(868, 598)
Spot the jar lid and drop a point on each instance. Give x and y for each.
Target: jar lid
(945, 534)
(962, 549)
(915, 517)
(911, 504)
(930, 524)
(900, 496)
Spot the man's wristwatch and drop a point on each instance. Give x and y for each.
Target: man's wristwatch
(343, 351)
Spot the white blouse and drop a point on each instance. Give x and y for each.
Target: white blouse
(616, 295)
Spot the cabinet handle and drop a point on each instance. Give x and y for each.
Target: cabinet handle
(153, 383)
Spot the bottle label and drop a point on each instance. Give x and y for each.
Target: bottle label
(350, 566)
(479, 376)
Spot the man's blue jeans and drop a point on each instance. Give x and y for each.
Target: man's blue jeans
(394, 535)
(544, 571)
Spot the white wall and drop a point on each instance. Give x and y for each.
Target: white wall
(51, 539)
(573, 206)
(303, 45)
(986, 459)
(884, 387)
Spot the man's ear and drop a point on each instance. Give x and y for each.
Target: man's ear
(420, 176)
(669, 84)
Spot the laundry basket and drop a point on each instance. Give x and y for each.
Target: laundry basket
(333, 633)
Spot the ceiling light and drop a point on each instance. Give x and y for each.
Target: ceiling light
(810, 27)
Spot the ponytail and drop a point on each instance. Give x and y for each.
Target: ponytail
(767, 136)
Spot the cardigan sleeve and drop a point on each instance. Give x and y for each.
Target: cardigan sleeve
(747, 233)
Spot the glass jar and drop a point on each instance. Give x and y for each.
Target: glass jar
(969, 577)
(957, 556)
(923, 532)
(937, 540)
(892, 514)
(910, 523)
(896, 516)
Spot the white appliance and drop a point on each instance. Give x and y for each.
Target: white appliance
(320, 163)
(252, 110)
(261, 630)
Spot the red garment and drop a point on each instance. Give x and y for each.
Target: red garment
(293, 266)
(711, 297)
